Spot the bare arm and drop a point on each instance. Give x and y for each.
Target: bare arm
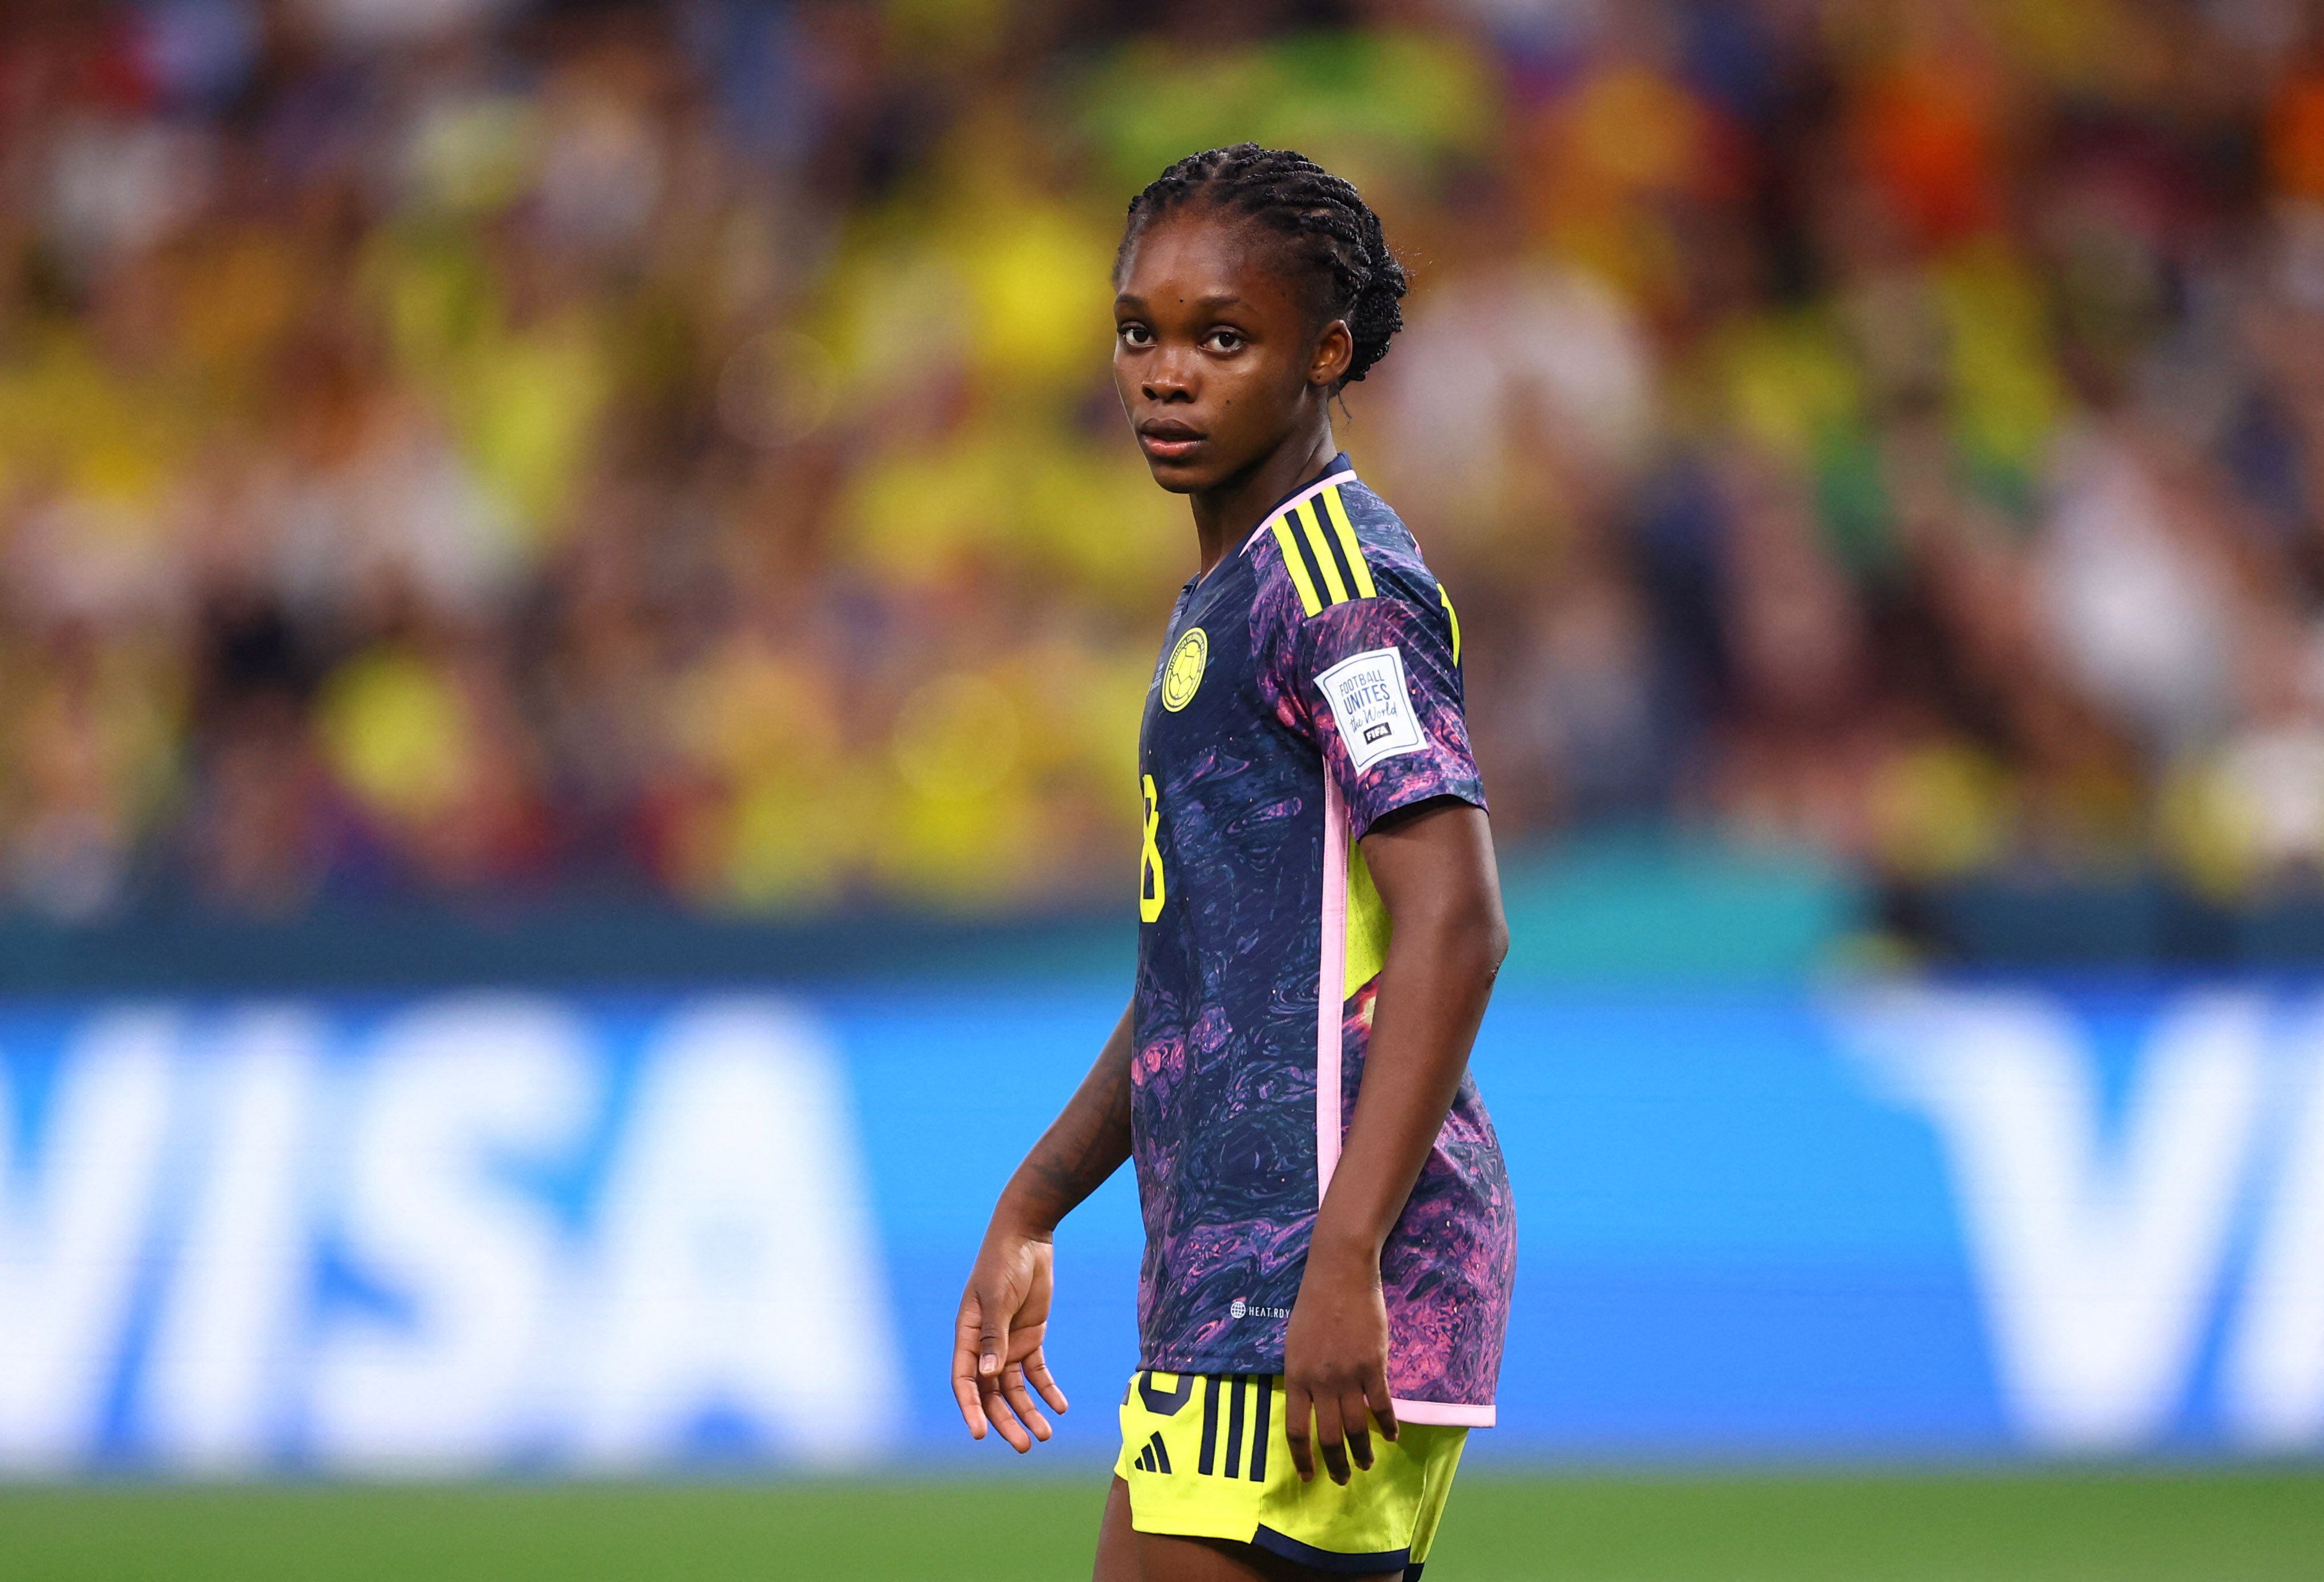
(1083, 1147)
(1004, 1313)
(1435, 871)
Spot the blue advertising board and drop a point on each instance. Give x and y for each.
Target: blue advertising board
(542, 1232)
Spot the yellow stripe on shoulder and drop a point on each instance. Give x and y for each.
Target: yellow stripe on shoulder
(1295, 564)
(1332, 582)
(1347, 532)
(1453, 616)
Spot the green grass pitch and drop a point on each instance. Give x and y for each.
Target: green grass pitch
(2046, 1526)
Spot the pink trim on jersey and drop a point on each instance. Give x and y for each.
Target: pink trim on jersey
(1330, 1054)
(1298, 499)
(1330, 991)
(1445, 1413)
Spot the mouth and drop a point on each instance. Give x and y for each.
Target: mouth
(1168, 440)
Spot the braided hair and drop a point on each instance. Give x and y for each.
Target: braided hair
(1328, 226)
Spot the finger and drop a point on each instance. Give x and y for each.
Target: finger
(1296, 1409)
(1382, 1405)
(991, 1340)
(1036, 1370)
(963, 1368)
(1020, 1402)
(1355, 1419)
(1004, 1421)
(1330, 1442)
(972, 1411)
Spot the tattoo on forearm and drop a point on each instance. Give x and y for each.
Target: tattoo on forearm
(1089, 1142)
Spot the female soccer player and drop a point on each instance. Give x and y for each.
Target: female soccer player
(1330, 1238)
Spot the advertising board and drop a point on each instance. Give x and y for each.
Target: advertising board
(542, 1233)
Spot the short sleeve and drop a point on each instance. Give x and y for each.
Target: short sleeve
(1381, 680)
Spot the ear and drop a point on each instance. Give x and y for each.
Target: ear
(1335, 349)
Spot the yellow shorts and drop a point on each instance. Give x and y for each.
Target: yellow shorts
(1205, 1456)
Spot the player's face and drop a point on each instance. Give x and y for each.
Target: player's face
(1216, 353)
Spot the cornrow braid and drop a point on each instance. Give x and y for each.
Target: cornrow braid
(1328, 225)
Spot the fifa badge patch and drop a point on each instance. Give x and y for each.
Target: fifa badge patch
(1372, 706)
(1184, 673)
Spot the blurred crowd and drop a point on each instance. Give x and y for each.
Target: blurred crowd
(471, 447)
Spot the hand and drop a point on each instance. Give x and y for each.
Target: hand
(1335, 1365)
(997, 1344)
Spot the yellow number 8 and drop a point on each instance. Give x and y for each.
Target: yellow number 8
(1150, 887)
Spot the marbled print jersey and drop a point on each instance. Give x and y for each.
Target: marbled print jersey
(1309, 685)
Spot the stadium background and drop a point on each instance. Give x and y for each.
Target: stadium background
(573, 613)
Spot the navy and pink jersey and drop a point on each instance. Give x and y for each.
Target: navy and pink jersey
(1310, 687)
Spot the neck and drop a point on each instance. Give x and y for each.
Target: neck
(1224, 516)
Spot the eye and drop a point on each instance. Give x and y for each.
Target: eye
(1134, 333)
(1223, 339)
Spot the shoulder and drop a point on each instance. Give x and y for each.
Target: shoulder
(1389, 547)
(1340, 544)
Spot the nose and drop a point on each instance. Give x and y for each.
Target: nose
(1167, 379)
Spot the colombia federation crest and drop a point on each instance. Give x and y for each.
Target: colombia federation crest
(1184, 672)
